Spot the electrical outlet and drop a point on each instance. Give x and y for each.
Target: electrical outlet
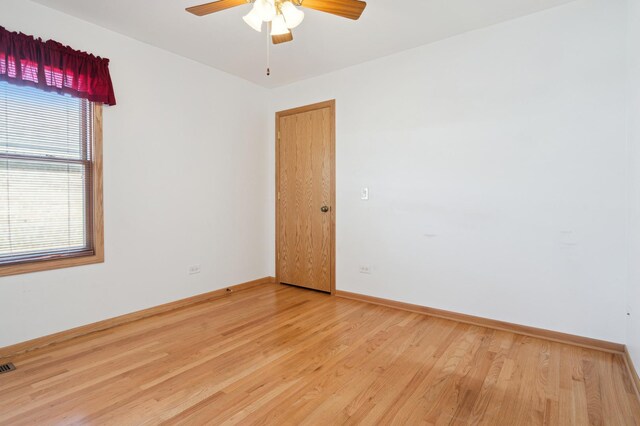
(364, 193)
(194, 269)
(365, 270)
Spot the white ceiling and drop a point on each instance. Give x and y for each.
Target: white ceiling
(322, 43)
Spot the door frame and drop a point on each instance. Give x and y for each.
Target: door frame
(331, 104)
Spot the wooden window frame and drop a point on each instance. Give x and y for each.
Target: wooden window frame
(97, 220)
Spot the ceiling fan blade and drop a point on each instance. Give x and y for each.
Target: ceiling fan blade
(216, 6)
(277, 39)
(351, 9)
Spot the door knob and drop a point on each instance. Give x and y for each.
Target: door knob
(324, 209)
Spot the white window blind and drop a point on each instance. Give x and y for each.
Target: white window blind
(45, 175)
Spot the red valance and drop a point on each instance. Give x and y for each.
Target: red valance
(52, 66)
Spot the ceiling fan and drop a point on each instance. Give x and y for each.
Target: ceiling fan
(283, 15)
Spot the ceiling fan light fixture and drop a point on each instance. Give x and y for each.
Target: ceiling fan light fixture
(279, 26)
(253, 19)
(292, 15)
(266, 9)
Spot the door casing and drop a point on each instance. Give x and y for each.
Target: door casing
(331, 104)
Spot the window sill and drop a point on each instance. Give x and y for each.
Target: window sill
(47, 265)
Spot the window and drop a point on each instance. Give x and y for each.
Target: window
(50, 180)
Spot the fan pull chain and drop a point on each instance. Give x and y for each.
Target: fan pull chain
(268, 48)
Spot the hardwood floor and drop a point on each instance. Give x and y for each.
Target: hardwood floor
(281, 355)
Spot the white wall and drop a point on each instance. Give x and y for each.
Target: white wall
(184, 183)
(496, 162)
(633, 297)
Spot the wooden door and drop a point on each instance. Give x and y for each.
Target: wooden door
(305, 206)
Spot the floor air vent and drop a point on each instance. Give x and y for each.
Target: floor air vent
(5, 368)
